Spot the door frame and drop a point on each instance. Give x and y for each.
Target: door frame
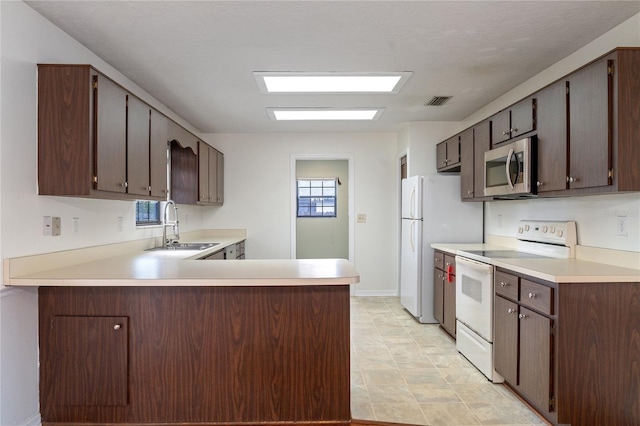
(322, 157)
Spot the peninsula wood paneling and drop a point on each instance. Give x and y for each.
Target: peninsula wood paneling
(214, 354)
(599, 354)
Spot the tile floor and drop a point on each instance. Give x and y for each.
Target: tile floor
(406, 372)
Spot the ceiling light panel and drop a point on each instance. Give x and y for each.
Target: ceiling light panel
(334, 82)
(314, 114)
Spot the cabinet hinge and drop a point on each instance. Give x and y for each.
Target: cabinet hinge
(567, 89)
(610, 69)
(552, 403)
(610, 174)
(95, 84)
(552, 329)
(95, 179)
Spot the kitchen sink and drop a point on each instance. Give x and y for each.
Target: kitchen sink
(185, 246)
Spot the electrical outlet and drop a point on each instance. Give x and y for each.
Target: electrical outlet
(76, 225)
(56, 226)
(499, 221)
(46, 225)
(361, 218)
(621, 226)
(119, 224)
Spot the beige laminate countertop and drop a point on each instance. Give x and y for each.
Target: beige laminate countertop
(550, 269)
(182, 268)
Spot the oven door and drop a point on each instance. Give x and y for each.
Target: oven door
(474, 296)
(507, 170)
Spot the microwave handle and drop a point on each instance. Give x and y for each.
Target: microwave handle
(508, 167)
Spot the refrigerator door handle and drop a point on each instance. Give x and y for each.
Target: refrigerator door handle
(413, 245)
(412, 203)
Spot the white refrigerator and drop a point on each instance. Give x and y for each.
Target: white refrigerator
(431, 213)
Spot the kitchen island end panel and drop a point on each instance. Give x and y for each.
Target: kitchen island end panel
(194, 355)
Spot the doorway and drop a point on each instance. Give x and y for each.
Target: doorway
(318, 231)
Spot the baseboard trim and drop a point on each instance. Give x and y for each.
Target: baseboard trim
(383, 293)
(34, 420)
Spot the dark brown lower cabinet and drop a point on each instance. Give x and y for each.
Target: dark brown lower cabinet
(90, 365)
(506, 339)
(444, 291)
(572, 350)
(194, 355)
(535, 358)
(449, 323)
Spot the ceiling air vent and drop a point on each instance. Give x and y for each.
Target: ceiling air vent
(437, 101)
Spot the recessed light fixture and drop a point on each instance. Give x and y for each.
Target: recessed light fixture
(299, 114)
(331, 82)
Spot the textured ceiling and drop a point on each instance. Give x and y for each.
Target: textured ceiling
(197, 57)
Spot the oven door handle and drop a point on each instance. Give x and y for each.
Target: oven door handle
(473, 264)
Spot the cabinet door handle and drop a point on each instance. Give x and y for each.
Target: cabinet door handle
(505, 133)
(539, 184)
(116, 327)
(469, 192)
(510, 311)
(514, 130)
(571, 179)
(522, 316)
(503, 284)
(532, 295)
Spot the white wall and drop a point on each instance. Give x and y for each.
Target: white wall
(422, 139)
(258, 196)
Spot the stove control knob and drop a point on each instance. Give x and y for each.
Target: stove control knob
(527, 227)
(552, 229)
(545, 229)
(559, 233)
(520, 230)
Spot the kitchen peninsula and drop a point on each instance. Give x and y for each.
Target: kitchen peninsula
(163, 337)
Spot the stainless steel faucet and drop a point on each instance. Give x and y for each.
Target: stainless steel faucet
(173, 223)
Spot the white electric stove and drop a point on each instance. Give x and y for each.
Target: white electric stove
(474, 285)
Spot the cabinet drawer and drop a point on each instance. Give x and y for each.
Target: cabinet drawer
(449, 261)
(506, 285)
(536, 296)
(438, 260)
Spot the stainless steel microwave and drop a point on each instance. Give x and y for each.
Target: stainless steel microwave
(510, 170)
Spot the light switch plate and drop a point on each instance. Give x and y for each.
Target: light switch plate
(46, 225)
(56, 226)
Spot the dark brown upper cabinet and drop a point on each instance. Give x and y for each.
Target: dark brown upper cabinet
(93, 136)
(184, 174)
(474, 142)
(552, 137)
(589, 137)
(138, 154)
(467, 188)
(481, 144)
(514, 121)
(448, 155)
(210, 173)
(588, 128)
(159, 154)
